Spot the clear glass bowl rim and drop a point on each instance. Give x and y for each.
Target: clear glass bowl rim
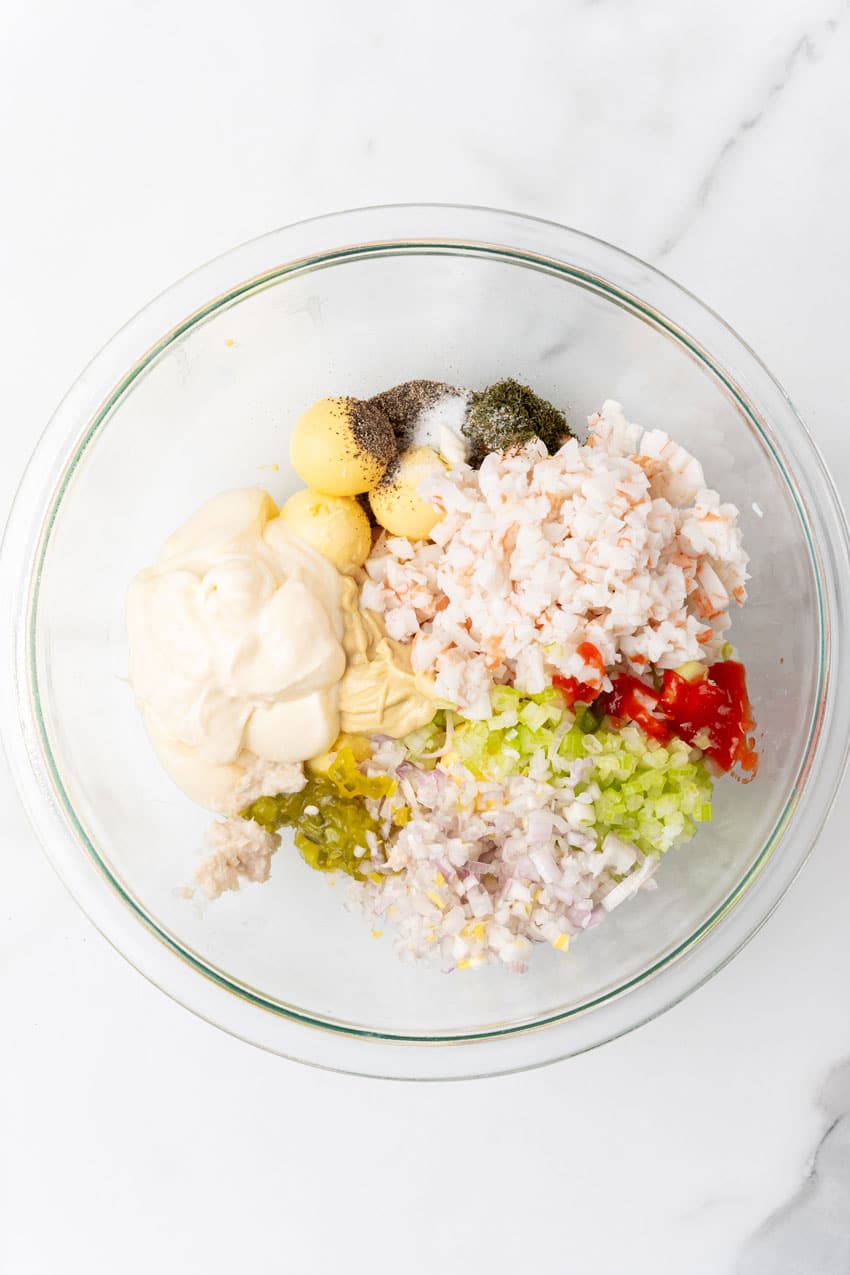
(322, 242)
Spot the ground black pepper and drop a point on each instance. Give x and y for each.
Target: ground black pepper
(402, 404)
(372, 430)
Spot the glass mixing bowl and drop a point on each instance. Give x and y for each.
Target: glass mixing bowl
(199, 393)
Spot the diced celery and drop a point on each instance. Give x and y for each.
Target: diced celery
(503, 721)
(692, 671)
(650, 794)
(589, 721)
(534, 716)
(504, 699)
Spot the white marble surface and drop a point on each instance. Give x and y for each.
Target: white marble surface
(142, 138)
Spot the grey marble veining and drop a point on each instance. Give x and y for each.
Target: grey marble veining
(808, 49)
(811, 1231)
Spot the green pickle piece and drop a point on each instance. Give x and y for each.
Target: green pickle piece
(329, 816)
(349, 779)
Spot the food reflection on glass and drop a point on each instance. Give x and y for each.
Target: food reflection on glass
(477, 664)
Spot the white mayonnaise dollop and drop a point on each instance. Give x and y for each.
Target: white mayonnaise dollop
(236, 652)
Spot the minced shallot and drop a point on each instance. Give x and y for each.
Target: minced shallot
(481, 870)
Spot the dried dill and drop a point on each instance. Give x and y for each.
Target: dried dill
(508, 414)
